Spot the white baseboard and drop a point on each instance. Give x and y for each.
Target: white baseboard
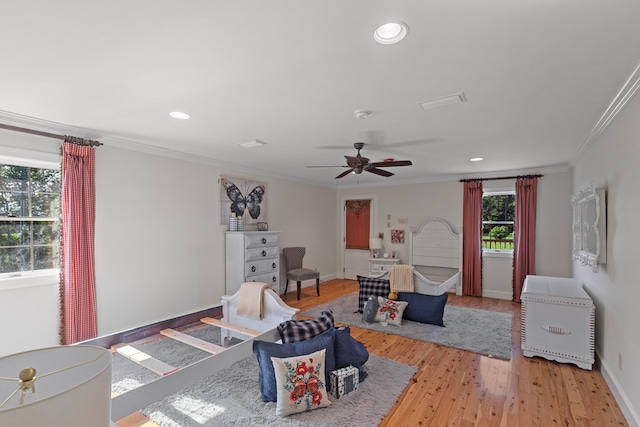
(496, 294)
(629, 412)
(306, 283)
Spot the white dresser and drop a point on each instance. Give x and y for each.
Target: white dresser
(558, 320)
(378, 266)
(252, 256)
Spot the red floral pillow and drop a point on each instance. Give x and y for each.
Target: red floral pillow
(300, 382)
(390, 311)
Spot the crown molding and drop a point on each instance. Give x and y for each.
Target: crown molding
(623, 97)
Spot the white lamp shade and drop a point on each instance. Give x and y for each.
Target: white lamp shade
(72, 387)
(375, 243)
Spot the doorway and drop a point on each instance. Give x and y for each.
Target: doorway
(358, 221)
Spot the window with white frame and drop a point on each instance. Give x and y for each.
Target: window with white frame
(498, 220)
(29, 210)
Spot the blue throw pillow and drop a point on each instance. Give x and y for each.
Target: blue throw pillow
(349, 351)
(265, 350)
(424, 308)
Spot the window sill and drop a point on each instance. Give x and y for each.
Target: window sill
(30, 280)
(497, 254)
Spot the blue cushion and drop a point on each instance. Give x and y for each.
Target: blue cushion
(424, 308)
(265, 350)
(349, 351)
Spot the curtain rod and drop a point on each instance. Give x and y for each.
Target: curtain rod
(65, 138)
(503, 177)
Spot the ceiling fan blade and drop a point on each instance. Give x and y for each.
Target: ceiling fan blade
(380, 172)
(345, 173)
(391, 163)
(332, 166)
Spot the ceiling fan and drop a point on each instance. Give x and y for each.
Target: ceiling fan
(358, 163)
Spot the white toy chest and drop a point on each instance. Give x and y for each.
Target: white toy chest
(558, 320)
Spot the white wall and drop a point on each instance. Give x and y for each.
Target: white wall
(612, 164)
(159, 241)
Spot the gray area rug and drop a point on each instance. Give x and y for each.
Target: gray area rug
(231, 397)
(480, 331)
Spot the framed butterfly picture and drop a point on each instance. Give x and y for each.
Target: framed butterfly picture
(244, 198)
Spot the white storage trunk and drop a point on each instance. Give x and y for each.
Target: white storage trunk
(558, 319)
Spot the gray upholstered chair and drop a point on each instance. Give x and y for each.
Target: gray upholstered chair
(294, 271)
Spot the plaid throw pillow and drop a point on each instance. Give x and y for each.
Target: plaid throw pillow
(371, 286)
(300, 330)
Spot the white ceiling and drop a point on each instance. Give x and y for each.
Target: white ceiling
(538, 76)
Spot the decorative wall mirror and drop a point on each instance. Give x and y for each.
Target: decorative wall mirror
(589, 227)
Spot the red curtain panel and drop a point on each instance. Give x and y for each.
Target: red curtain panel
(472, 239)
(77, 269)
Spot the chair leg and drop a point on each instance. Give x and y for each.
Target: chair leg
(286, 287)
(299, 283)
(318, 285)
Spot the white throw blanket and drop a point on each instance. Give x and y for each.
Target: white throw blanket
(401, 278)
(250, 300)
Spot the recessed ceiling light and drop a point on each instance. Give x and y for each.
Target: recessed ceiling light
(179, 115)
(476, 159)
(391, 33)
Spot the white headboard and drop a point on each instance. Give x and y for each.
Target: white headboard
(434, 244)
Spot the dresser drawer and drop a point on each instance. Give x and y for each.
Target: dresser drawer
(272, 279)
(260, 240)
(261, 253)
(263, 266)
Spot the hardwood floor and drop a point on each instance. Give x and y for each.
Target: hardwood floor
(456, 388)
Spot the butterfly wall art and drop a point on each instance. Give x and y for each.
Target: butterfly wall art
(244, 198)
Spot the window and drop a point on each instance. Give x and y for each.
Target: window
(498, 215)
(29, 206)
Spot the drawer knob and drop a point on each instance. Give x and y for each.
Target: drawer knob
(253, 268)
(264, 253)
(264, 240)
(273, 279)
(273, 265)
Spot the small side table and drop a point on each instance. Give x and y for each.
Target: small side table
(377, 266)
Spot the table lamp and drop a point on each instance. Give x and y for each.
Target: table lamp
(56, 386)
(375, 245)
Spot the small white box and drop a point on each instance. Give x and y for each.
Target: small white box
(344, 381)
(558, 320)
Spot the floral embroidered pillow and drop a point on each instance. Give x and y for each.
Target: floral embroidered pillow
(390, 311)
(300, 382)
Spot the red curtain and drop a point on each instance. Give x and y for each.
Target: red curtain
(524, 252)
(358, 214)
(77, 270)
(472, 239)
